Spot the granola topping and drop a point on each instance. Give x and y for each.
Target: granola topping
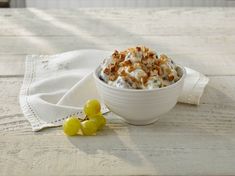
(139, 68)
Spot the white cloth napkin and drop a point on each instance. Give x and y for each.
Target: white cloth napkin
(57, 86)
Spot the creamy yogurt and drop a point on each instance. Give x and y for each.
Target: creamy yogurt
(139, 68)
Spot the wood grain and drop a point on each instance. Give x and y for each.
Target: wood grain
(188, 140)
(195, 52)
(223, 64)
(186, 136)
(191, 41)
(162, 23)
(217, 105)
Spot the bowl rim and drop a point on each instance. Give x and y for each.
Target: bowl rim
(140, 90)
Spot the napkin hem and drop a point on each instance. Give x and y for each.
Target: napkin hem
(30, 114)
(24, 101)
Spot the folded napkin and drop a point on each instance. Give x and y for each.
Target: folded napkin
(57, 86)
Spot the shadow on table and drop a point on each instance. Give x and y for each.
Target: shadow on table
(182, 133)
(165, 138)
(218, 93)
(185, 129)
(64, 34)
(107, 144)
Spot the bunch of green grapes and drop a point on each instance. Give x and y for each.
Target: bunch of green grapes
(93, 122)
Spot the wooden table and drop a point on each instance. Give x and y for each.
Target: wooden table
(189, 140)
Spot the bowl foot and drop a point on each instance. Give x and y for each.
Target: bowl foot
(139, 123)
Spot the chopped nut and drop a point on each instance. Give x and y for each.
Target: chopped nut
(115, 53)
(131, 68)
(158, 62)
(123, 73)
(118, 59)
(122, 56)
(142, 58)
(154, 72)
(150, 54)
(163, 58)
(106, 71)
(146, 70)
(159, 71)
(168, 70)
(138, 48)
(113, 77)
(170, 77)
(126, 63)
(145, 49)
(113, 67)
(144, 79)
(137, 65)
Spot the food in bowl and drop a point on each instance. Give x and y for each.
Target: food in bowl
(139, 102)
(139, 68)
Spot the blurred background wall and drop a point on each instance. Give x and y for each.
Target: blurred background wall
(118, 3)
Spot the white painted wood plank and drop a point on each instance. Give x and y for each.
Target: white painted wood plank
(195, 52)
(131, 155)
(164, 44)
(13, 64)
(217, 103)
(198, 139)
(189, 140)
(194, 41)
(93, 26)
(122, 13)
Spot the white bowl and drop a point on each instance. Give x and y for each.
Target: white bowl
(139, 106)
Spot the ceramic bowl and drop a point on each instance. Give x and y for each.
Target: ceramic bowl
(139, 106)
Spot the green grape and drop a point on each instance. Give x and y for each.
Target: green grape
(71, 126)
(99, 119)
(92, 107)
(89, 127)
